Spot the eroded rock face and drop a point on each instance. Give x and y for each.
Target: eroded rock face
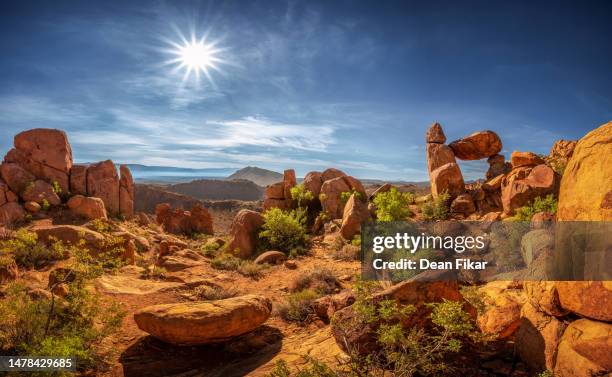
(518, 192)
(196, 323)
(585, 350)
(11, 213)
(592, 299)
(103, 183)
(478, 145)
(562, 149)
(78, 180)
(87, 207)
(586, 181)
(126, 192)
(179, 221)
(244, 233)
(538, 338)
(355, 213)
(289, 181)
(332, 173)
(330, 196)
(447, 178)
(275, 191)
(16, 177)
(438, 155)
(313, 182)
(40, 191)
(497, 166)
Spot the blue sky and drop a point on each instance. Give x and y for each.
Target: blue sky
(305, 84)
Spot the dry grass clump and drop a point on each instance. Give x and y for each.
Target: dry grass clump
(211, 293)
(321, 281)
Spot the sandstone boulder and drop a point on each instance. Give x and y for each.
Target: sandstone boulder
(585, 350)
(543, 296)
(271, 257)
(501, 319)
(179, 221)
(562, 149)
(103, 183)
(331, 192)
(497, 166)
(438, 155)
(70, 234)
(289, 181)
(40, 191)
(16, 177)
(331, 173)
(32, 207)
(244, 233)
(326, 306)
(126, 192)
(87, 207)
(516, 192)
(586, 180)
(463, 204)
(592, 299)
(276, 203)
(355, 213)
(11, 213)
(78, 180)
(196, 323)
(535, 243)
(313, 182)
(447, 178)
(538, 338)
(275, 191)
(435, 134)
(49, 147)
(478, 145)
(518, 159)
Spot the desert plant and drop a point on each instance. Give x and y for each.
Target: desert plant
(346, 195)
(301, 194)
(393, 205)
(282, 230)
(437, 209)
(225, 262)
(45, 205)
(252, 269)
(205, 292)
(322, 281)
(210, 249)
(28, 252)
(153, 272)
(347, 252)
(101, 226)
(297, 306)
(540, 204)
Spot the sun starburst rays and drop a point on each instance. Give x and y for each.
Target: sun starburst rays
(195, 57)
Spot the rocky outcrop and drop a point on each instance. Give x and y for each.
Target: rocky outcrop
(244, 233)
(355, 213)
(444, 173)
(463, 205)
(592, 299)
(502, 315)
(179, 221)
(497, 166)
(519, 159)
(278, 195)
(524, 184)
(206, 322)
(476, 146)
(87, 207)
(70, 234)
(435, 134)
(103, 182)
(585, 350)
(126, 192)
(447, 178)
(586, 181)
(11, 213)
(313, 182)
(41, 192)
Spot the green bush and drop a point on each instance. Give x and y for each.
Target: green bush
(28, 252)
(282, 230)
(252, 269)
(346, 195)
(297, 307)
(210, 249)
(437, 209)
(393, 205)
(225, 262)
(539, 204)
(301, 195)
(74, 325)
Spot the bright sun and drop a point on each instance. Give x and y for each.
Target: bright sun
(197, 57)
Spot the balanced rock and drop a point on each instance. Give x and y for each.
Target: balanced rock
(244, 233)
(438, 155)
(478, 145)
(355, 213)
(435, 134)
(585, 350)
(196, 323)
(447, 178)
(586, 190)
(87, 207)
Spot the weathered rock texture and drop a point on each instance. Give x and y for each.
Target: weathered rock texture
(478, 145)
(179, 221)
(244, 233)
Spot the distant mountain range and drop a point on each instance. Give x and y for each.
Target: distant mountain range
(261, 177)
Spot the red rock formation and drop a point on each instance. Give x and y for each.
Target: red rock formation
(126, 192)
(478, 145)
(244, 233)
(178, 221)
(103, 182)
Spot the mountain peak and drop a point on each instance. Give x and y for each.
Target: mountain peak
(259, 176)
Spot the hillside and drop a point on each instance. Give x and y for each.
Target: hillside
(261, 177)
(210, 189)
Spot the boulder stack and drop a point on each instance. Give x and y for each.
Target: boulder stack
(444, 173)
(278, 195)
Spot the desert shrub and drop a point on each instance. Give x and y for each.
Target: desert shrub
(437, 209)
(322, 281)
(55, 186)
(393, 205)
(45, 205)
(225, 262)
(546, 373)
(205, 292)
(252, 269)
(312, 368)
(539, 204)
(153, 272)
(101, 225)
(472, 295)
(28, 252)
(346, 195)
(301, 195)
(298, 305)
(75, 325)
(210, 249)
(282, 230)
(347, 252)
